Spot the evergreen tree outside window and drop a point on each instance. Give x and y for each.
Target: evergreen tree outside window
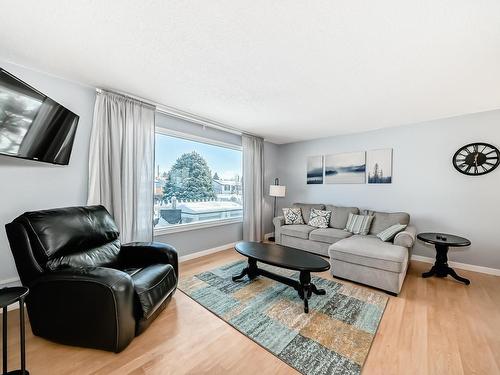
(196, 182)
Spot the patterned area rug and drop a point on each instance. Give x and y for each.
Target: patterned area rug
(334, 338)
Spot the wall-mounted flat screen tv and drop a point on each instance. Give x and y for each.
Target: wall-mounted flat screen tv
(32, 125)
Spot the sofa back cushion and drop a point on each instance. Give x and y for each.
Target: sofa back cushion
(339, 216)
(384, 220)
(306, 209)
(60, 232)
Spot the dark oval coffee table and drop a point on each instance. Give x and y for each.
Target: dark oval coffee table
(284, 257)
(442, 242)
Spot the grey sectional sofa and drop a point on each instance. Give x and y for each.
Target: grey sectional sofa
(364, 259)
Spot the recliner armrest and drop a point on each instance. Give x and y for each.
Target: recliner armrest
(111, 278)
(147, 253)
(92, 307)
(407, 237)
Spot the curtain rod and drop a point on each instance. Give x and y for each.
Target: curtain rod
(183, 115)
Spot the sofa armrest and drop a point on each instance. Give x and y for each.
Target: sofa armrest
(278, 222)
(91, 307)
(407, 237)
(142, 254)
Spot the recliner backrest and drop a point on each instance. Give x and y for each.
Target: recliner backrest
(59, 236)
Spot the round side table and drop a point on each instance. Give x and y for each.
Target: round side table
(8, 296)
(442, 242)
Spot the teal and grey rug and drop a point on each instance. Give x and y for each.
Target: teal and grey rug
(334, 338)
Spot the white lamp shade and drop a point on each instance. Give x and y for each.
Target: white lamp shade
(277, 190)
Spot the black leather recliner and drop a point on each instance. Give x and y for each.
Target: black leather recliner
(86, 288)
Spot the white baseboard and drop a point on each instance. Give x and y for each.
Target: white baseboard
(267, 235)
(202, 253)
(462, 266)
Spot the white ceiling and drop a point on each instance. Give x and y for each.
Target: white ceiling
(287, 70)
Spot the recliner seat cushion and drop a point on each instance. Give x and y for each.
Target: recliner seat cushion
(384, 220)
(152, 285)
(306, 209)
(339, 216)
(328, 235)
(297, 230)
(370, 251)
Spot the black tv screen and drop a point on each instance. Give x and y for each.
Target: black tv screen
(32, 125)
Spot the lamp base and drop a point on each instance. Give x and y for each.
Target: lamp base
(271, 239)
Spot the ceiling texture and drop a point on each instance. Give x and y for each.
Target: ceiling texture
(286, 70)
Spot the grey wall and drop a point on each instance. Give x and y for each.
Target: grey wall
(29, 185)
(425, 184)
(192, 241)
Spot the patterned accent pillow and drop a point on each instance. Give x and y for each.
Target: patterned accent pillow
(359, 224)
(389, 233)
(319, 218)
(293, 216)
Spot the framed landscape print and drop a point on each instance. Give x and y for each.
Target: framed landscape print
(379, 166)
(347, 168)
(314, 170)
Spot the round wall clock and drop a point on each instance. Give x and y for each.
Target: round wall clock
(476, 159)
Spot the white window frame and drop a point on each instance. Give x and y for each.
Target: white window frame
(205, 223)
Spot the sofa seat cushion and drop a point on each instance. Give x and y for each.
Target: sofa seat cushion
(328, 235)
(152, 285)
(370, 251)
(297, 230)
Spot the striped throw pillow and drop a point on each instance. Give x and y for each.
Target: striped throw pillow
(358, 224)
(389, 233)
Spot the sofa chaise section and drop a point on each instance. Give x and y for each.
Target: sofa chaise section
(371, 261)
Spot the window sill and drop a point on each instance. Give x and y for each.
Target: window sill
(197, 225)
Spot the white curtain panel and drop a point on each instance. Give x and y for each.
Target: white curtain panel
(121, 165)
(253, 186)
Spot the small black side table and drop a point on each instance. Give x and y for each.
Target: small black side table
(442, 242)
(8, 296)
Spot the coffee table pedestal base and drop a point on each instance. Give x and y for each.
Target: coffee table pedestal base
(304, 287)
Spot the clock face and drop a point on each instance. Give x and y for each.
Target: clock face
(476, 159)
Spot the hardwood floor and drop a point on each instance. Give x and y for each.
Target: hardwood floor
(436, 326)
